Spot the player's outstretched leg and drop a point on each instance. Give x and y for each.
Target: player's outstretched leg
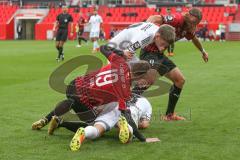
(77, 140)
(61, 108)
(124, 131)
(39, 124)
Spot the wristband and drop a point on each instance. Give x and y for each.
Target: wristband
(203, 51)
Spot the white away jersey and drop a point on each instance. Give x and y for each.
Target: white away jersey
(141, 110)
(134, 37)
(95, 21)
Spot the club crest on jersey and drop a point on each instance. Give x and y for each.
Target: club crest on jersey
(169, 18)
(134, 46)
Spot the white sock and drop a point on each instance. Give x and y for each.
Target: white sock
(91, 132)
(97, 45)
(130, 129)
(94, 45)
(131, 132)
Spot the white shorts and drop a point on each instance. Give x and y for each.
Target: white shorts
(94, 34)
(110, 119)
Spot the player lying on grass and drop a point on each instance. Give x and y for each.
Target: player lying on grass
(111, 83)
(185, 26)
(141, 111)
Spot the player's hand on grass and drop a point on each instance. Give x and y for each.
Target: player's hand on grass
(151, 140)
(205, 56)
(128, 55)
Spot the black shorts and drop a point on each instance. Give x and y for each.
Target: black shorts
(158, 61)
(82, 111)
(80, 33)
(62, 35)
(71, 94)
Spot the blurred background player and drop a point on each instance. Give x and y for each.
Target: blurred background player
(171, 46)
(80, 29)
(222, 30)
(19, 30)
(61, 29)
(95, 21)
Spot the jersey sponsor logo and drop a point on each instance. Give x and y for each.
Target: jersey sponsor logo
(134, 46)
(106, 77)
(146, 27)
(151, 61)
(146, 40)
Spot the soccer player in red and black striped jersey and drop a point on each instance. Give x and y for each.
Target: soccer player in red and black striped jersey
(80, 29)
(185, 26)
(110, 83)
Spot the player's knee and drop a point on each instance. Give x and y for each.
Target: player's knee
(179, 82)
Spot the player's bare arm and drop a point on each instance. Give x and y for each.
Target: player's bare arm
(155, 19)
(55, 26)
(198, 44)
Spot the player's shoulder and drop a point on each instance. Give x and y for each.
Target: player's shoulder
(143, 26)
(60, 14)
(174, 18)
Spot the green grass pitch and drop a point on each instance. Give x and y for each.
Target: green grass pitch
(211, 92)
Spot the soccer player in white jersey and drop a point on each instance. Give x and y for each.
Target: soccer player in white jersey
(141, 111)
(140, 35)
(95, 21)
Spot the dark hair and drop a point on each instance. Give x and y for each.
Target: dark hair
(139, 68)
(196, 13)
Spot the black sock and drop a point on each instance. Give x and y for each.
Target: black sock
(174, 94)
(61, 108)
(60, 51)
(79, 41)
(169, 49)
(73, 126)
(172, 48)
(85, 40)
